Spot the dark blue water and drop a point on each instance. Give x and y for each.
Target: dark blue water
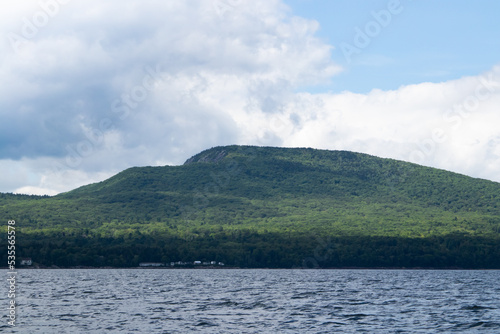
(255, 301)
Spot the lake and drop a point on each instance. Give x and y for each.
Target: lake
(255, 301)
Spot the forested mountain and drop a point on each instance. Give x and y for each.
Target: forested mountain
(267, 207)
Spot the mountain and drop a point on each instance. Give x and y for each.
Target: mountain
(267, 207)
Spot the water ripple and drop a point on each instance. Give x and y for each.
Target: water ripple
(257, 301)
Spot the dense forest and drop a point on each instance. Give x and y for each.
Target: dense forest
(266, 207)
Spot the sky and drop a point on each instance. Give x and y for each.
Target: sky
(90, 88)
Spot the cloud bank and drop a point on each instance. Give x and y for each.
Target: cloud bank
(91, 88)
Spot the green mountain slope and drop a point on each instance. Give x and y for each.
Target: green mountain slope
(262, 206)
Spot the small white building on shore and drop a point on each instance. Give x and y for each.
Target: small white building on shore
(26, 262)
(151, 264)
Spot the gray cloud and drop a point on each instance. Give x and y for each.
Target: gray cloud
(98, 87)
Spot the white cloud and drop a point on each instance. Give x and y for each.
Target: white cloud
(451, 125)
(104, 86)
(35, 191)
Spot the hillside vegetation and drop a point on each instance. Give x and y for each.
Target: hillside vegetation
(267, 207)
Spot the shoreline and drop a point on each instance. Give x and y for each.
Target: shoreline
(245, 268)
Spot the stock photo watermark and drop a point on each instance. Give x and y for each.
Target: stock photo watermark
(12, 273)
(32, 25)
(454, 117)
(363, 36)
(220, 181)
(322, 252)
(123, 107)
(225, 7)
